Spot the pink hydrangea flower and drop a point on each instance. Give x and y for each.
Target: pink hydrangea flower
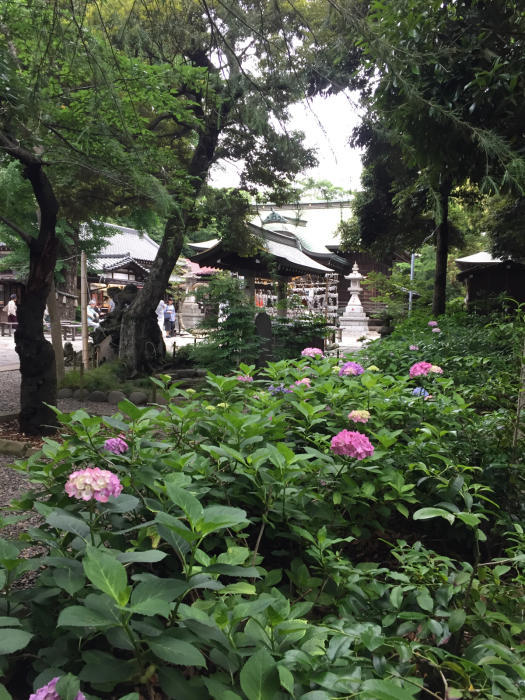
(435, 369)
(414, 347)
(244, 378)
(312, 352)
(352, 444)
(305, 380)
(436, 330)
(96, 483)
(432, 324)
(116, 445)
(351, 368)
(49, 692)
(359, 416)
(420, 369)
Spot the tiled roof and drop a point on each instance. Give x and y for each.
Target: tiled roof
(126, 241)
(284, 247)
(315, 224)
(114, 262)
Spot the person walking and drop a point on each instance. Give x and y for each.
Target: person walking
(169, 318)
(11, 309)
(161, 306)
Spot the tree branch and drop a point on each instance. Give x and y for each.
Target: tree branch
(23, 235)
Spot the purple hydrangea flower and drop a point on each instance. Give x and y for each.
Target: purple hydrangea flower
(432, 324)
(49, 692)
(353, 368)
(116, 445)
(279, 389)
(420, 391)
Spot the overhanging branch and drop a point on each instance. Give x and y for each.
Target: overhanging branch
(23, 235)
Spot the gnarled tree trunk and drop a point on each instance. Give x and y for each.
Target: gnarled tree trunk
(440, 279)
(37, 358)
(141, 343)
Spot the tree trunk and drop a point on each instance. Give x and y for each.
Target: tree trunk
(440, 279)
(37, 359)
(140, 337)
(141, 344)
(56, 331)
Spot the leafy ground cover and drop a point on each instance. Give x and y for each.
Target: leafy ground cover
(320, 528)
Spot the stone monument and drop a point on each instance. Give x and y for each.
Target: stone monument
(354, 321)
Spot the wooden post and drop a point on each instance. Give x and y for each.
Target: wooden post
(83, 308)
(56, 331)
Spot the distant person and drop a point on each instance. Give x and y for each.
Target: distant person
(111, 305)
(169, 318)
(178, 321)
(11, 309)
(92, 315)
(95, 305)
(161, 306)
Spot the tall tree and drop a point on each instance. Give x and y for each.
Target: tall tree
(447, 81)
(84, 146)
(239, 112)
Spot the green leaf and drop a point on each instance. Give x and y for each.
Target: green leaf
(68, 687)
(426, 513)
(396, 596)
(130, 696)
(232, 570)
(149, 556)
(154, 588)
(134, 412)
(186, 501)
(286, 678)
(106, 574)
(9, 622)
(218, 517)
(219, 691)
(4, 693)
(386, 690)
(470, 519)
(425, 601)
(13, 640)
(259, 677)
(79, 616)
(176, 651)
(124, 503)
(240, 588)
(457, 619)
(64, 521)
(102, 667)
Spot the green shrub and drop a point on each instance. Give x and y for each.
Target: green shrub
(246, 558)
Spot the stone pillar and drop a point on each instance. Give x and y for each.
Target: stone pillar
(354, 321)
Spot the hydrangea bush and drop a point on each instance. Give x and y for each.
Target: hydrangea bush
(247, 544)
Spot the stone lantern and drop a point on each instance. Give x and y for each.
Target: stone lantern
(354, 321)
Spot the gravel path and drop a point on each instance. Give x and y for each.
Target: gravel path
(9, 392)
(10, 398)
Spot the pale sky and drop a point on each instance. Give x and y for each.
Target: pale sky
(327, 124)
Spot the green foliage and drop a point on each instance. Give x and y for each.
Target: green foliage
(108, 377)
(245, 559)
(291, 335)
(230, 320)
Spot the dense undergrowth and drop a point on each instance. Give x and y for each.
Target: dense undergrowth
(246, 557)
